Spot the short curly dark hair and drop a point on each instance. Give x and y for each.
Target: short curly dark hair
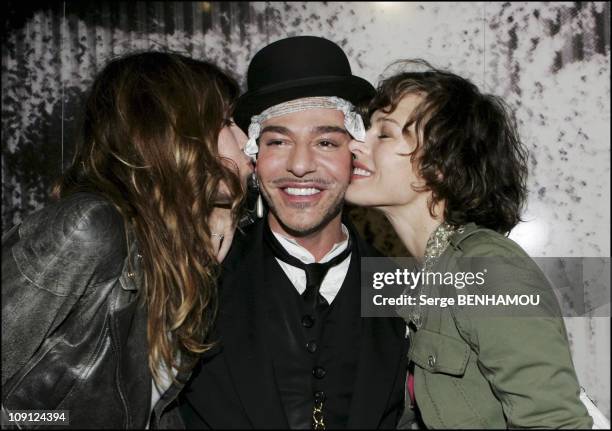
(468, 148)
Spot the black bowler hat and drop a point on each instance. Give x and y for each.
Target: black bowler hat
(296, 67)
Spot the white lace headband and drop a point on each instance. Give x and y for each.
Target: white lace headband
(352, 120)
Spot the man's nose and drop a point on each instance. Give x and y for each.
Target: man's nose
(301, 160)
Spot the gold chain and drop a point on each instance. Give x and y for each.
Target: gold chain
(317, 415)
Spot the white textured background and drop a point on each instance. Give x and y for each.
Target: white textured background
(550, 61)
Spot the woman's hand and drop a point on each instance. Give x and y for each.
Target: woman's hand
(222, 229)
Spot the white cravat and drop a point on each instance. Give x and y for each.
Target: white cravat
(333, 279)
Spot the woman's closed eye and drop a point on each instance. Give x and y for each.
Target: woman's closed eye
(384, 134)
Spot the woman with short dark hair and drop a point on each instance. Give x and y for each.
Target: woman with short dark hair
(109, 292)
(444, 163)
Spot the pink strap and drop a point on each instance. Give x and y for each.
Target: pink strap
(410, 384)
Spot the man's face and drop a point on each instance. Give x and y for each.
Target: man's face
(304, 168)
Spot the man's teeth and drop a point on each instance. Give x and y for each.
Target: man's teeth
(301, 191)
(361, 172)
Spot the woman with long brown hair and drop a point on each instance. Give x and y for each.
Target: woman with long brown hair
(108, 293)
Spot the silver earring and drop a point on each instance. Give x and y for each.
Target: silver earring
(259, 207)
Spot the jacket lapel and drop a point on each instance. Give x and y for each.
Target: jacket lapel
(241, 320)
(382, 354)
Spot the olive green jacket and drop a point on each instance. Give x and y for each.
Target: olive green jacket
(489, 371)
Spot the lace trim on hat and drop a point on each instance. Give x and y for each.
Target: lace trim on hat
(352, 120)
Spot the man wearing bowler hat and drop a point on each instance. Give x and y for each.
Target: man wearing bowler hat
(293, 350)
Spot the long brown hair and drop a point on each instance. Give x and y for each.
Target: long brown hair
(149, 145)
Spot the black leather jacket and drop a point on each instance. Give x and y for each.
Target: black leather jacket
(73, 329)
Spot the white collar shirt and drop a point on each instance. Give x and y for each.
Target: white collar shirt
(333, 279)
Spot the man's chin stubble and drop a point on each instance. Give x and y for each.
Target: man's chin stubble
(305, 231)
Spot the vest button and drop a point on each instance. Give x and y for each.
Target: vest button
(311, 346)
(307, 321)
(319, 396)
(319, 372)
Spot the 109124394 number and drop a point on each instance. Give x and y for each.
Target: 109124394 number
(40, 417)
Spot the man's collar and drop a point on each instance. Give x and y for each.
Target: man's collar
(296, 250)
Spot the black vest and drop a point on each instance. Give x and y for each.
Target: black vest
(313, 358)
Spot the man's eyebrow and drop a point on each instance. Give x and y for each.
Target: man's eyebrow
(317, 129)
(275, 129)
(329, 129)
